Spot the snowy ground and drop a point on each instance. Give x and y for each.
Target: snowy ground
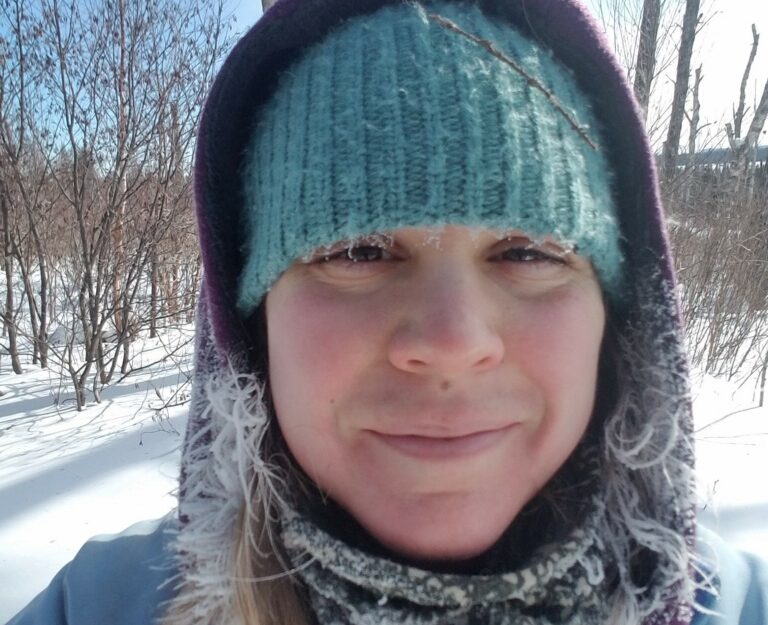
(65, 476)
(732, 460)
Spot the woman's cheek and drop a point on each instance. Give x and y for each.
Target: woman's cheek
(556, 342)
(320, 343)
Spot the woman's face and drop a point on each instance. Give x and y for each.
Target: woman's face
(432, 381)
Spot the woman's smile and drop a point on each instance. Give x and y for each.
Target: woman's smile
(442, 448)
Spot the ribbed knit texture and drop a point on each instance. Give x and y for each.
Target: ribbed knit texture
(394, 120)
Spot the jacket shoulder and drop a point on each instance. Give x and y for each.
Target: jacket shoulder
(121, 579)
(743, 585)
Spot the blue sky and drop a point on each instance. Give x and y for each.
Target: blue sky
(246, 12)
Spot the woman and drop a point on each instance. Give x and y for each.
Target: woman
(440, 374)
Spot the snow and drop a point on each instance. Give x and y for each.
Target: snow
(732, 457)
(67, 476)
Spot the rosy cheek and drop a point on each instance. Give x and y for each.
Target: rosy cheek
(319, 339)
(558, 346)
(568, 324)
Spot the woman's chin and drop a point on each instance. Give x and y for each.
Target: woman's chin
(439, 533)
(442, 546)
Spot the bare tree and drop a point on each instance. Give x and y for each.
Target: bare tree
(123, 113)
(9, 312)
(677, 113)
(629, 25)
(738, 113)
(758, 122)
(694, 118)
(743, 148)
(112, 77)
(23, 166)
(719, 229)
(645, 63)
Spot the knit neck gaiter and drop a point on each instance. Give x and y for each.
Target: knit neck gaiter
(566, 582)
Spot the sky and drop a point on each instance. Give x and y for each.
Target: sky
(722, 49)
(246, 12)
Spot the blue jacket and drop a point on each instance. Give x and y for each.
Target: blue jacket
(113, 580)
(125, 580)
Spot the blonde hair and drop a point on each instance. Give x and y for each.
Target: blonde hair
(265, 594)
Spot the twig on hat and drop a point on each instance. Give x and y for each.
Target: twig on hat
(533, 82)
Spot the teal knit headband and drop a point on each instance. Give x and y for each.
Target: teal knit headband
(424, 117)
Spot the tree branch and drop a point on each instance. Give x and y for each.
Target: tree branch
(532, 81)
(738, 115)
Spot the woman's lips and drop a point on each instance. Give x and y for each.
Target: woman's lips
(439, 448)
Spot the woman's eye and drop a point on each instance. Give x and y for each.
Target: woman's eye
(360, 254)
(355, 259)
(531, 255)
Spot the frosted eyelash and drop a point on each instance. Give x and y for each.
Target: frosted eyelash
(375, 239)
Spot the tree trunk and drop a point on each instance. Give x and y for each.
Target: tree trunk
(175, 292)
(695, 117)
(745, 151)
(645, 63)
(79, 395)
(118, 235)
(672, 144)
(42, 337)
(9, 316)
(126, 363)
(738, 115)
(29, 293)
(153, 313)
(758, 121)
(742, 150)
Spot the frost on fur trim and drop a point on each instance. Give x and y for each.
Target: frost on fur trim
(221, 463)
(648, 464)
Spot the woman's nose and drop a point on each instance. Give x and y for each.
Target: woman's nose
(446, 329)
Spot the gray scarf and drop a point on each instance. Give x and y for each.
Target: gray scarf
(564, 583)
